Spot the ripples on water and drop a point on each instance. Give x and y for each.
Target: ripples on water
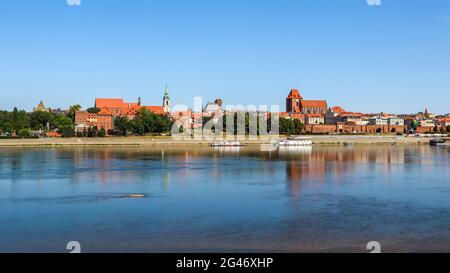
(325, 199)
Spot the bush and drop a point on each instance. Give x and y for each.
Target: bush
(92, 132)
(102, 132)
(67, 131)
(24, 133)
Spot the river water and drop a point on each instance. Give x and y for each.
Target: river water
(324, 199)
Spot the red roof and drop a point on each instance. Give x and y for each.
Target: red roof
(155, 109)
(338, 109)
(104, 111)
(314, 103)
(294, 94)
(284, 114)
(350, 114)
(109, 103)
(297, 116)
(314, 116)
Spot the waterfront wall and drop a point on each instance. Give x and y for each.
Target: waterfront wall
(361, 129)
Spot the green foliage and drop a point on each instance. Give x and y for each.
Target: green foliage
(19, 120)
(72, 110)
(298, 127)
(122, 125)
(24, 133)
(145, 122)
(92, 132)
(289, 126)
(67, 131)
(102, 132)
(39, 120)
(448, 129)
(93, 110)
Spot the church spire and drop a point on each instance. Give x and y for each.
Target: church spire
(166, 100)
(166, 92)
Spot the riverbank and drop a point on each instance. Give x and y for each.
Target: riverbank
(169, 141)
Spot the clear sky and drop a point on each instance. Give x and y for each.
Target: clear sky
(393, 58)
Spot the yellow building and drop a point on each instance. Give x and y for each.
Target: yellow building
(40, 108)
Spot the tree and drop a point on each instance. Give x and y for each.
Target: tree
(148, 122)
(24, 133)
(39, 120)
(72, 110)
(64, 125)
(448, 129)
(67, 131)
(102, 132)
(93, 110)
(122, 125)
(19, 120)
(286, 126)
(92, 132)
(298, 127)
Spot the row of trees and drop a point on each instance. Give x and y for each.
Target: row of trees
(145, 122)
(286, 126)
(22, 123)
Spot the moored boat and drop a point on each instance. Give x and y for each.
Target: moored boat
(228, 143)
(296, 142)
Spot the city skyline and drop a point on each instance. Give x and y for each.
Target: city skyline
(391, 58)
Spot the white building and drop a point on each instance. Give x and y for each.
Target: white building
(395, 121)
(314, 119)
(427, 123)
(378, 121)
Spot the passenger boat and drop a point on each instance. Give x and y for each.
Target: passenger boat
(297, 141)
(228, 143)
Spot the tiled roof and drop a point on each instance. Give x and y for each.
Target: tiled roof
(299, 116)
(109, 103)
(351, 114)
(294, 94)
(104, 111)
(338, 109)
(125, 108)
(155, 109)
(314, 103)
(314, 116)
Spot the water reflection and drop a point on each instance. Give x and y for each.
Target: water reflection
(229, 198)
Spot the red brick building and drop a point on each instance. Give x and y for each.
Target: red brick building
(296, 104)
(110, 108)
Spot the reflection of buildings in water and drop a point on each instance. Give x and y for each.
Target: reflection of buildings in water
(294, 150)
(331, 163)
(165, 170)
(227, 150)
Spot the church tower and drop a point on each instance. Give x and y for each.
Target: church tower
(166, 101)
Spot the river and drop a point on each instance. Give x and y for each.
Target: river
(324, 199)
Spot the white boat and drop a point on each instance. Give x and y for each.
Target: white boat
(228, 143)
(296, 142)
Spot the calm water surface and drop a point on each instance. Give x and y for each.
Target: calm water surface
(327, 199)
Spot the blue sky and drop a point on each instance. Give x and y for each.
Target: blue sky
(393, 58)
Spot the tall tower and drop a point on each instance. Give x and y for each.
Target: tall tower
(166, 101)
(293, 102)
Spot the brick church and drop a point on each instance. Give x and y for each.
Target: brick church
(295, 104)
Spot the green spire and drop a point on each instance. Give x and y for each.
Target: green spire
(166, 92)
